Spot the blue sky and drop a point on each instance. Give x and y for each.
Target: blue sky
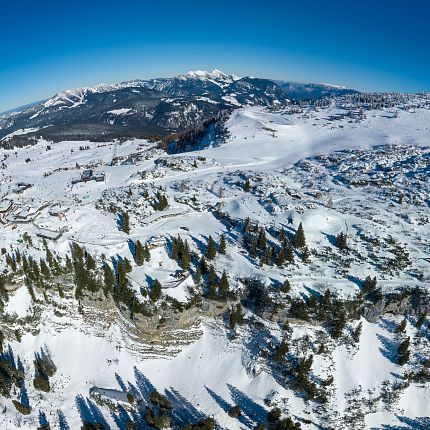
(47, 46)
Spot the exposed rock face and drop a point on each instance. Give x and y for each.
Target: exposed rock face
(399, 302)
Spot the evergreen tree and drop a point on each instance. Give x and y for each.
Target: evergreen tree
(44, 270)
(369, 285)
(357, 332)
(91, 264)
(282, 235)
(262, 241)
(338, 323)
(403, 353)
(125, 223)
(155, 293)
(139, 253)
(109, 278)
(211, 249)
(147, 253)
(247, 186)
(185, 256)
(286, 287)
(247, 227)
(280, 261)
(212, 281)
(236, 316)
(300, 240)
(175, 249)
(122, 277)
(198, 276)
(401, 327)
(222, 245)
(127, 265)
(289, 253)
(69, 264)
(203, 265)
(341, 241)
(305, 254)
(223, 285)
(420, 321)
(281, 351)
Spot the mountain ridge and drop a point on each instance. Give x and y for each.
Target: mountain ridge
(153, 107)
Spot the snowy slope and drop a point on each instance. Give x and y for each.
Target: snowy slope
(294, 169)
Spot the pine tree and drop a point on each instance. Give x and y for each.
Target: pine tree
(147, 253)
(420, 321)
(203, 265)
(281, 351)
(401, 327)
(223, 286)
(125, 223)
(305, 254)
(280, 261)
(139, 253)
(109, 278)
(262, 241)
(341, 241)
(300, 240)
(44, 270)
(338, 323)
(289, 253)
(403, 353)
(282, 235)
(198, 276)
(127, 265)
(222, 245)
(247, 226)
(369, 285)
(185, 256)
(357, 332)
(211, 249)
(122, 277)
(91, 264)
(236, 316)
(247, 185)
(175, 249)
(155, 293)
(286, 287)
(69, 264)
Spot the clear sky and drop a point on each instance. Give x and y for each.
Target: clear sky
(47, 45)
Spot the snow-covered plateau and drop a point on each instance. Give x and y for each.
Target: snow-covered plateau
(275, 274)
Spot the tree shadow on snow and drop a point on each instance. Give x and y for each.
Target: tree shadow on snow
(183, 412)
(43, 421)
(143, 384)
(120, 382)
(131, 246)
(62, 422)
(387, 324)
(388, 348)
(225, 406)
(90, 413)
(249, 408)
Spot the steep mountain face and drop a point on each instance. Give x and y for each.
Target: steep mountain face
(156, 107)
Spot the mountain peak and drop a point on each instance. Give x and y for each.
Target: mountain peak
(203, 74)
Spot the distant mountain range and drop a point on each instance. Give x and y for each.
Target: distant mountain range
(149, 108)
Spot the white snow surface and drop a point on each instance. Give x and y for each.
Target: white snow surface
(260, 141)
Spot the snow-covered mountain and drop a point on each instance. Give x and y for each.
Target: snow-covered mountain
(156, 107)
(270, 272)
